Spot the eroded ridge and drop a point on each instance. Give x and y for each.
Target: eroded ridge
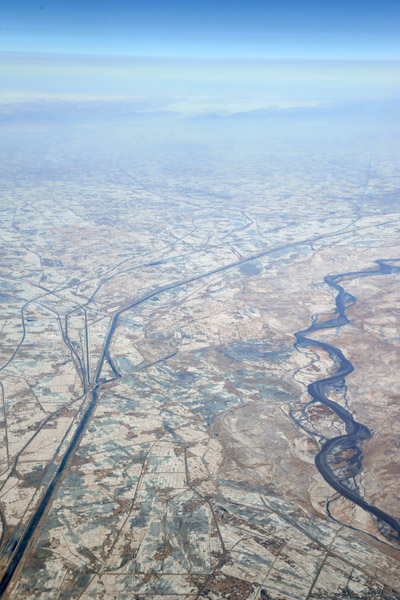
(339, 459)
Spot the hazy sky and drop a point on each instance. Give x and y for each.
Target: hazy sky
(205, 56)
(204, 28)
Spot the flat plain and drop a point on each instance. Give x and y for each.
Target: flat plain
(158, 433)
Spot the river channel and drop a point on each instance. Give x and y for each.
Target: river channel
(339, 459)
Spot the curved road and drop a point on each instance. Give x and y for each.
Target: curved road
(18, 545)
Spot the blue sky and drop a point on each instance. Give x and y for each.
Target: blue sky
(332, 29)
(201, 57)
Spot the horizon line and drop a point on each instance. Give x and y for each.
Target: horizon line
(236, 59)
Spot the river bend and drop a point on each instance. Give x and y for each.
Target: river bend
(339, 459)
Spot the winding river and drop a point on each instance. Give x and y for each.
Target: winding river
(339, 459)
(342, 480)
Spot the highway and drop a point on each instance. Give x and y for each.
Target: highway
(16, 547)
